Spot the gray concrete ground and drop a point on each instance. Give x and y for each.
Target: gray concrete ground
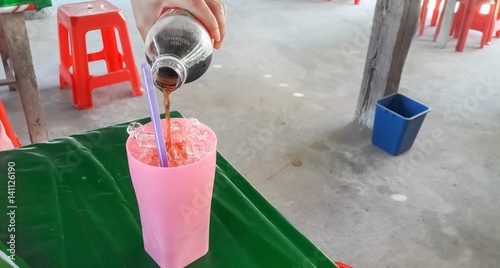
(434, 206)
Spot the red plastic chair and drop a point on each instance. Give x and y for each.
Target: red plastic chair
(74, 21)
(8, 128)
(470, 18)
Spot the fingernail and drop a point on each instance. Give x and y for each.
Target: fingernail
(217, 36)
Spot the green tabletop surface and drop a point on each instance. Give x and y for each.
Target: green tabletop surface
(39, 4)
(75, 206)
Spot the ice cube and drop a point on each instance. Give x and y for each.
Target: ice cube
(173, 155)
(194, 133)
(145, 140)
(143, 155)
(203, 136)
(192, 122)
(175, 126)
(134, 126)
(198, 150)
(155, 160)
(176, 132)
(189, 157)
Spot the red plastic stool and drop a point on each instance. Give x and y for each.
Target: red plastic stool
(8, 128)
(74, 21)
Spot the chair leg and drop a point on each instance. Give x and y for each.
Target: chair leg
(484, 40)
(486, 37)
(82, 94)
(435, 13)
(458, 20)
(109, 41)
(423, 16)
(64, 55)
(464, 28)
(494, 17)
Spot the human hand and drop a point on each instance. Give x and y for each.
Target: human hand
(212, 13)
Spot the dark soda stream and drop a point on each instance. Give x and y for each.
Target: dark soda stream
(166, 81)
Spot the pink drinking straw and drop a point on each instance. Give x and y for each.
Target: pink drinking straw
(155, 115)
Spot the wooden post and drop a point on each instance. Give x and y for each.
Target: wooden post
(9, 80)
(20, 54)
(394, 26)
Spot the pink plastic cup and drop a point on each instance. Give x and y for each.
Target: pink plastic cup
(174, 206)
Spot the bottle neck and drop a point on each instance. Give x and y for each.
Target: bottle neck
(168, 73)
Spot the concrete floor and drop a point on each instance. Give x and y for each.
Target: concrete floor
(320, 169)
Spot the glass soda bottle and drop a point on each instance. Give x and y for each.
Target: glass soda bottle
(179, 49)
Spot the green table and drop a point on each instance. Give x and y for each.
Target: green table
(75, 207)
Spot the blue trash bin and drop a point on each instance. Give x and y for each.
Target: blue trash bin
(397, 122)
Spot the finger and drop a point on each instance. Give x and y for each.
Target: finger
(217, 45)
(200, 10)
(219, 10)
(144, 19)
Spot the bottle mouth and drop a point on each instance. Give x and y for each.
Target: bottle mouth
(166, 78)
(168, 73)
